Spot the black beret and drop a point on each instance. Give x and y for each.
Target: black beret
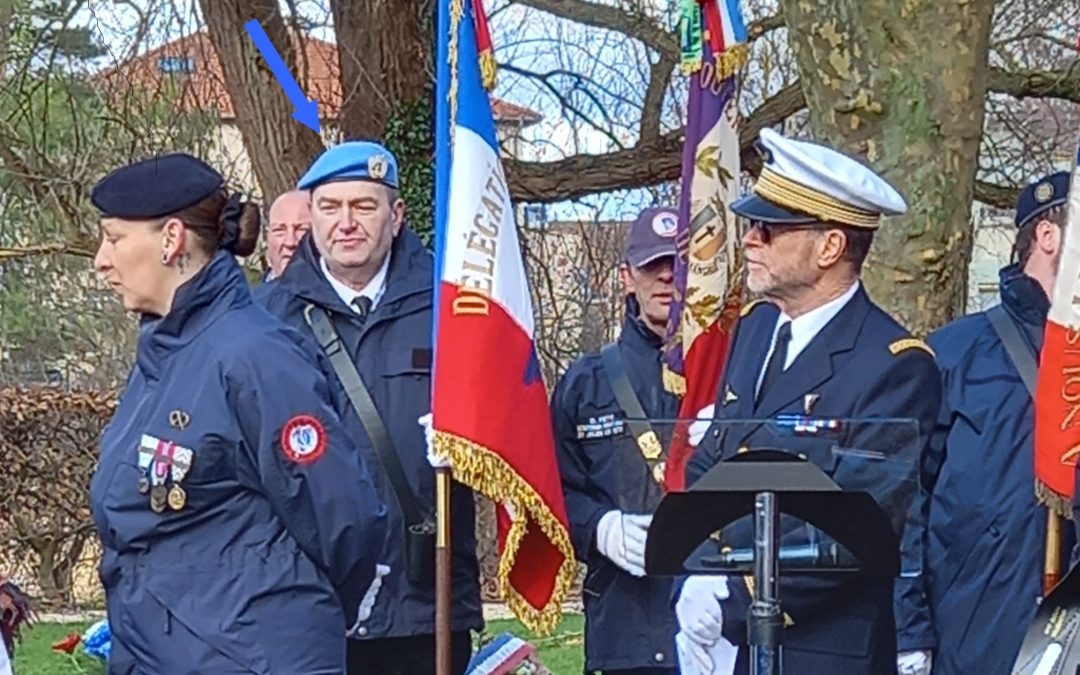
(155, 187)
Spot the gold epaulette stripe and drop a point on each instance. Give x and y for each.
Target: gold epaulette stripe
(749, 307)
(910, 343)
(788, 193)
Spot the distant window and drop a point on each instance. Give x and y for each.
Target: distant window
(535, 216)
(176, 64)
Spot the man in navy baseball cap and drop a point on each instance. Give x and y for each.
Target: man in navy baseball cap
(612, 462)
(647, 274)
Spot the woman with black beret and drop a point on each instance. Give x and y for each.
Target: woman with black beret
(239, 523)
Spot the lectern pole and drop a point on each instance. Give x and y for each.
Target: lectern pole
(765, 621)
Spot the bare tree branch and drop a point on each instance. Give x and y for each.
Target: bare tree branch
(611, 17)
(11, 253)
(652, 106)
(647, 163)
(626, 21)
(1063, 84)
(996, 195)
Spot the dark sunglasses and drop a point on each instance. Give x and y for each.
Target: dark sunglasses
(769, 230)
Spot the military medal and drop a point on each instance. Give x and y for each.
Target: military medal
(147, 448)
(177, 498)
(163, 457)
(158, 497)
(650, 445)
(181, 464)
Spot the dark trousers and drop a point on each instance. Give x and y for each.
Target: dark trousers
(413, 655)
(640, 671)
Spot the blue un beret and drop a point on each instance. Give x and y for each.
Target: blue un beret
(352, 160)
(1041, 196)
(155, 187)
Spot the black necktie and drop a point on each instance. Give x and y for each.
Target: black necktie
(776, 362)
(362, 303)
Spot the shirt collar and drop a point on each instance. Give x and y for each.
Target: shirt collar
(805, 327)
(374, 289)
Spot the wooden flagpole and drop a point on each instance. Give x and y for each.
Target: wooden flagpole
(443, 579)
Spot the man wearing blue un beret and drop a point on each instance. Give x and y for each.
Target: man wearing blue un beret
(987, 531)
(363, 277)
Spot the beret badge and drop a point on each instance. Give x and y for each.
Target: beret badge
(377, 165)
(1043, 192)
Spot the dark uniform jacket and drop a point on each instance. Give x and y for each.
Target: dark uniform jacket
(987, 531)
(861, 365)
(392, 352)
(629, 621)
(260, 569)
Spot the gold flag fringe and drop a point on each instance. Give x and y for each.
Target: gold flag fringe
(731, 61)
(486, 472)
(488, 69)
(1060, 505)
(674, 382)
(727, 63)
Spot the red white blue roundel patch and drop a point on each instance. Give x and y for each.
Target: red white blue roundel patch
(303, 439)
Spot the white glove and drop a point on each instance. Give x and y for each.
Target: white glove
(693, 657)
(699, 426)
(914, 663)
(368, 602)
(620, 537)
(698, 609)
(429, 437)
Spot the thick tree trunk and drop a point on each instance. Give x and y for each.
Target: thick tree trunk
(386, 51)
(903, 85)
(280, 148)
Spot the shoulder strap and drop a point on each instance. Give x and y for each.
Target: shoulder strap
(360, 398)
(638, 421)
(1022, 355)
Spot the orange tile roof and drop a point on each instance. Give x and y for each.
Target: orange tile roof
(203, 88)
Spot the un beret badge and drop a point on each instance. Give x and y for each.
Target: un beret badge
(1043, 192)
(376, 166)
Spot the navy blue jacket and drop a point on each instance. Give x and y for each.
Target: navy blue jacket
(987, 531)
(392, 352)
(862, 365)
(251, 574)
(629, 621)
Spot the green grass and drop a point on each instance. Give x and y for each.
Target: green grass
(562, 652)
(34, 655)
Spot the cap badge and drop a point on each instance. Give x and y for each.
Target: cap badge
(376, 166)
(665, 224)
(1043, 192)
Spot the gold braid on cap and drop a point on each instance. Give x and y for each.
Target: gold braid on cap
(787, 193)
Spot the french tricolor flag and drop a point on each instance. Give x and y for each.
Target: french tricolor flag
(489, 404)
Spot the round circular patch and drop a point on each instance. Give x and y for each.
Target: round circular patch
(665, 224)
(303, 439)
(1043, 192)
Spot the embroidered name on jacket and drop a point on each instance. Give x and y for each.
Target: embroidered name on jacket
(600, 427)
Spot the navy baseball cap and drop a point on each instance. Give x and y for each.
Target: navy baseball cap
(652, 236)
(1041, 196)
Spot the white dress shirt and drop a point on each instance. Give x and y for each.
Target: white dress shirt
(374, 289)
(805, 328)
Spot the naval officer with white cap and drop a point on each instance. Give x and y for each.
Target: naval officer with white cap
(816, 345)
